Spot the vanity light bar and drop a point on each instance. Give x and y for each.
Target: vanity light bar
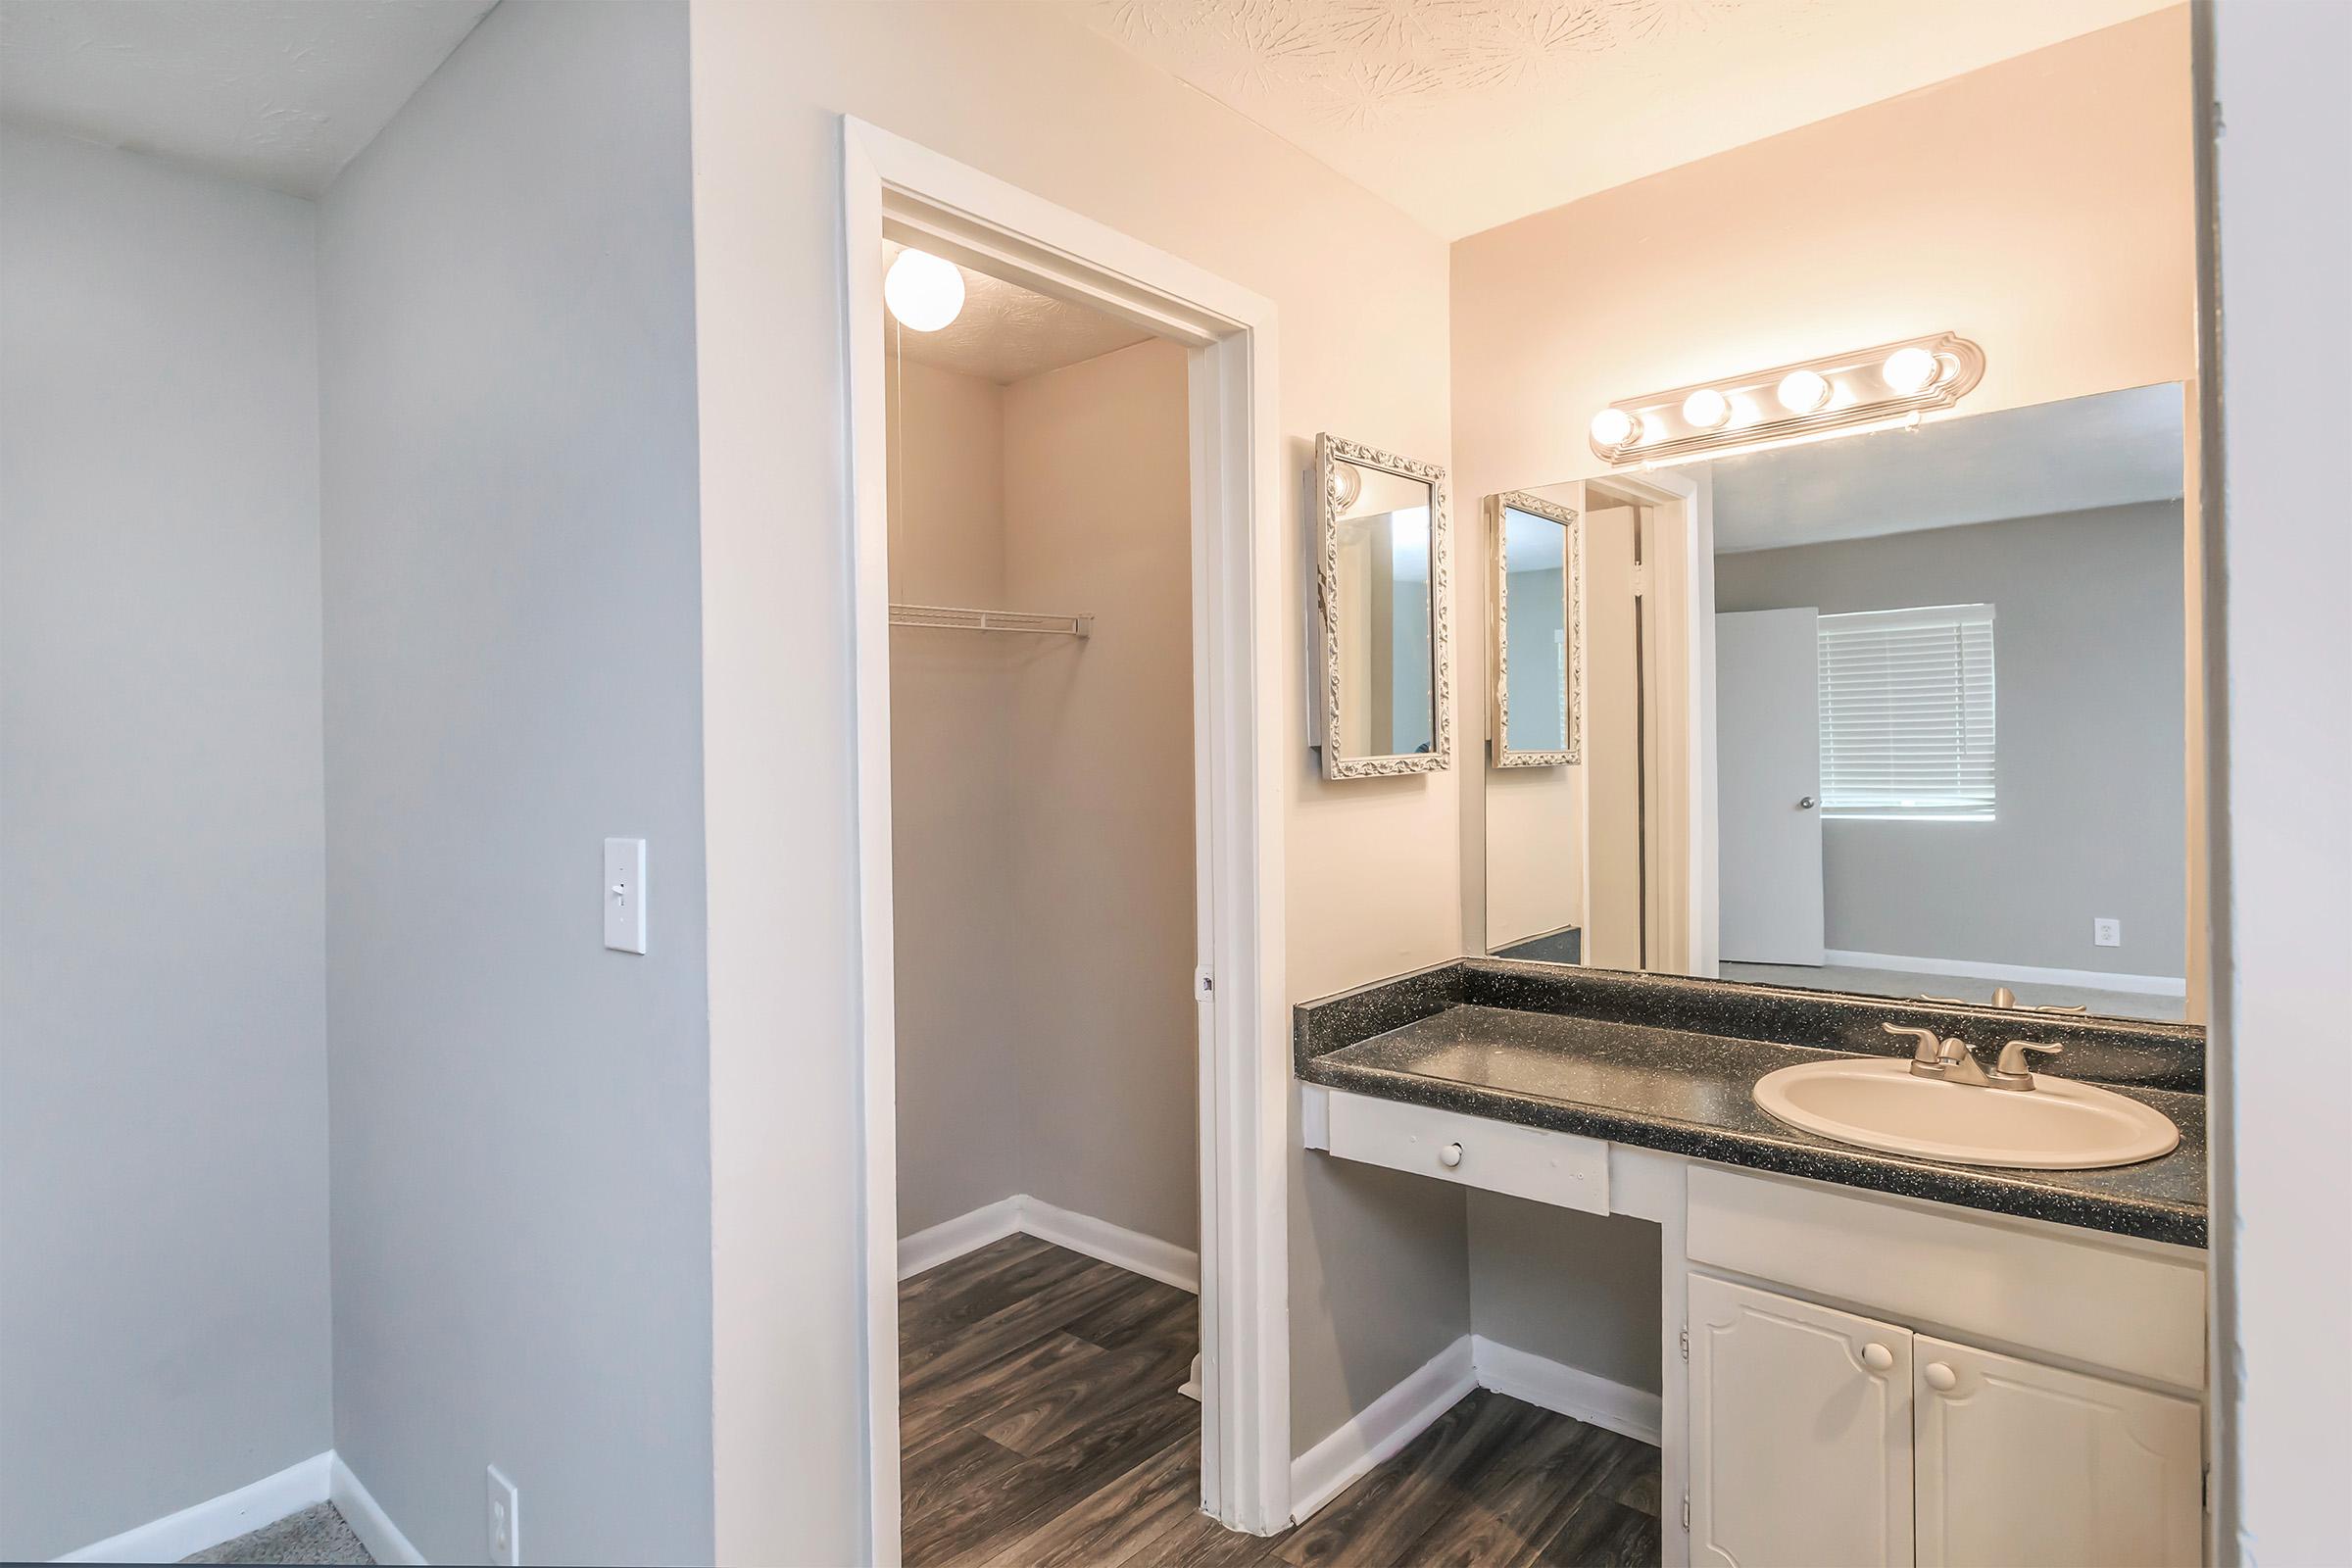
(1839, 394)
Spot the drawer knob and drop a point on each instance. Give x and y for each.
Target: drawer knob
(1451, 1156)
(1943, 1379)
(1876, 1357)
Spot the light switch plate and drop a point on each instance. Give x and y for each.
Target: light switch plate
(501, 1529)
(625, 895)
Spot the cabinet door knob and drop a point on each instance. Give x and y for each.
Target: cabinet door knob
(1876, 1357)
(1943, 1379)
(1451, 1156)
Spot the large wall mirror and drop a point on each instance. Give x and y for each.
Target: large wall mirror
(1380, 589)
(1940, 748)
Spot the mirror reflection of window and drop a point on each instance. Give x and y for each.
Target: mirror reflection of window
(1386, 632)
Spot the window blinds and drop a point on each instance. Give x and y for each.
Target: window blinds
(1906, 712)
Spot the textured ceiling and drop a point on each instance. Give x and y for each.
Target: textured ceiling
(280, 93)
(1006, 334)
(1471, 113)
(2089, 451)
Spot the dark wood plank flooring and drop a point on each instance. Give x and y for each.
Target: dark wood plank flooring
(1040, 1428)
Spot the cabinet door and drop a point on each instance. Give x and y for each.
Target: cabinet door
(2025, 1466)
(1801, 1432)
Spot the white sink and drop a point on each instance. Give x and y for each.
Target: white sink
(1878, 1103)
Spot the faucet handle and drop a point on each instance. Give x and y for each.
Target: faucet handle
(1924, 1046)
(2012, 1064)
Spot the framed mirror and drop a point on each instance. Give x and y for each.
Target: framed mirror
(1380, 597)
(1538, 655)
(1898, 715)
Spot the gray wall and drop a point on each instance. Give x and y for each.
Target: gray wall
(163, 1074)
(1102, 791)
(1581, 1289)
(520, 1119)
(2089, 730)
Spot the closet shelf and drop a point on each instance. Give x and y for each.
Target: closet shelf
(946, 618)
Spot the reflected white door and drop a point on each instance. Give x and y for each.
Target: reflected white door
(1801, 1432)
(2027, 1466)
(1768, 785)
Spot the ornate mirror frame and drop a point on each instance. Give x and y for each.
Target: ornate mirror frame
(1331, 701)
(1501, 753)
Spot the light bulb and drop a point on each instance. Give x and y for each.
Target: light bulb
(1614, 427)
(1912, 372)
(1346, 485)
(1705, 409)
(925, 292)
(1804, 391)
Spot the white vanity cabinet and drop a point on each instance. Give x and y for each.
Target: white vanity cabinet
(2034, 1465)
(1856, 1378)
(1819, 1437)
(1828, 1482)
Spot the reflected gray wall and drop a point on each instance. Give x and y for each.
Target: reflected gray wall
(520, 1127)
(2090, 736)
(163, 1056)
(1538, 612)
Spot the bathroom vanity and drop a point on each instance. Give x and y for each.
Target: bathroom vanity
(1867, 1357)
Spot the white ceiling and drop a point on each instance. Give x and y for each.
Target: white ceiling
(1471, 113)
(2089, 451)
(280, 93)
(1006, 334)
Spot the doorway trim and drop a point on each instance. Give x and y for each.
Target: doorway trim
(1683, 899)
(1239, 742)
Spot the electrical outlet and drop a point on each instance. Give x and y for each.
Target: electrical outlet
(499, 1521)
(2106, 933)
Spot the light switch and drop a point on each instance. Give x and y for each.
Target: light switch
(625, 895)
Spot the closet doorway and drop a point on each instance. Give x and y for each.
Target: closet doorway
(1069, 639)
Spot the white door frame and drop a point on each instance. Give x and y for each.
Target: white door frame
(1239, 745)
(1682, 697)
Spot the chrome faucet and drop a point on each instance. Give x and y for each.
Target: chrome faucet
(1948, 1060)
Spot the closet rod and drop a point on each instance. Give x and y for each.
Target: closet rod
(946, 618)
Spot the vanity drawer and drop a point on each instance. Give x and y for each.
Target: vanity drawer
(1523, 1161)
(2137, 1307)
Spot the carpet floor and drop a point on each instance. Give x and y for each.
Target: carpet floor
(317, 1534)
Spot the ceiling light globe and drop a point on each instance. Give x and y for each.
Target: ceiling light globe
(1706, 408)
(1614, 427)
(1911, 371)
(1804, 391)
(925, 292)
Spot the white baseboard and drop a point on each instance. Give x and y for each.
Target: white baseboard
(2145, 985)
(367, 1518)
(1555, 1385)
(223, 1518)
(1115, 1245)
(1383, 1426)
(952, 1238)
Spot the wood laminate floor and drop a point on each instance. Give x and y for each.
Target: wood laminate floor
(1041, 1427)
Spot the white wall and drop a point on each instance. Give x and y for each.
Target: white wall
(2285, 1091)
(1376, 1285)
(2088, 819)
(163, 1069)
(519, 1124)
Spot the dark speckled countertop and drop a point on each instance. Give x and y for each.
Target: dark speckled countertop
(1661, 1064)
